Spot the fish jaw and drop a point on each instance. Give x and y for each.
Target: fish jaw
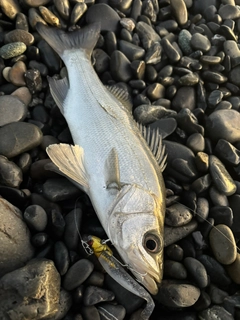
(136, 229)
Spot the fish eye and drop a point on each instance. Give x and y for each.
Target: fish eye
(152, 243)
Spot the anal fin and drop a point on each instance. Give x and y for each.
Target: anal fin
(70, 161)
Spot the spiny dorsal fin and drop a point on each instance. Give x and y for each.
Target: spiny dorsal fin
(154, 140)
(112, 173)
(70, 161)
(122, 96)
(59, 90)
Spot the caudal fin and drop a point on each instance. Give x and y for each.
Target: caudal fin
(59, 40)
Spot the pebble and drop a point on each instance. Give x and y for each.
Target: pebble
(214, 98)
(35, 217)
(174, 234)
(49, 57)
(120, 67)
(39, 239)
(64, 304)
(196, 142)
(215, 312)
(184, 39)
(10, 8)
(175, 252)
(33, 80)
(24, 162)
(131, 51)
(177, 295)
(23, 94)
(77, 274)
(184, 98)
(174, 270)
(223, 244)
(155, 91)
(34, 286)
(179, 10)
(19, 35)
(12, 50)
(177, 215)
(90, 313)
(49, 17)
(12, 110)
(223, 124)
(103, 13)
(197, 271)
(72, 226)
(59, 189)
(146, 34)
(19, 137)
(16, 248)
(22, 22)
(61, 257)
(220, 176)
(16, 74)
(94, 295)
(222, 215)
(227, 152)
(217, 295)
(233, 270)
(110, 312)
(229, 12)
(200, 42)
(170, 50)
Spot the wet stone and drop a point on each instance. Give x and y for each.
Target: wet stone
(94, 295)
(153, 54)
(184, 39)
(201, 184)
(173, 294)
(190, 79)
(196, 142)
(222, 215)
(102, 60)
(174, 270)
(188, 122)
(214, 98)
(146, 114)
(224, 124)
(22, 22)
(103, 13)
(174, 234)
(115, 312)
(131, 51)
(200, 42)
(184, 98)
(12, 50)
(197, 271)
(61, 257)
(229, 12)
(177, 215)
(120, 67)
(223, 244)
(234, 76)
(231, 49)
(77, 274)
(57, 223)
(220, 176)
(12, 110)
(10, 8)
(179, 10)
(170, 51)
(234, 270)
(33, 80)
(146, 34)
(59, 189)
(49, 57)
(24, 162)
(217, 197)
(19, 35)
(155, 91)
(35, 217)
(19, 137)
(49, 16)
(215, 312)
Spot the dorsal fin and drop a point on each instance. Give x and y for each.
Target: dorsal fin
(59, 90)
(154, 140)
(121, 95)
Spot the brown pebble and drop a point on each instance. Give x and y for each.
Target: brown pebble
(23, 94)
(10, 8)
(18, 35)
(16, 74)
(34, 18)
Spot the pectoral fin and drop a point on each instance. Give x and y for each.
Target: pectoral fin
(70, 161)
(112, 174)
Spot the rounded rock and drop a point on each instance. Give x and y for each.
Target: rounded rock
(120, 67)
(11, 110)
(16, 74)
(175, 270)
(12, 50)
(94, 295)
(200, 42)
(215, 312)
(223, 244)
(61, 257)
(10, 173)
(179, 10)
(197, 271)
(10, 8)
(19, 35)
(35, 217)
(234, 270)
(177, 215)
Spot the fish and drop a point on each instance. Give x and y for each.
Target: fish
(114, 268)
(114, 160)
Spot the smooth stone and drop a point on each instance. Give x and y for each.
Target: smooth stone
(10, 174)
(211, 60)
(214, 76)
(229, 12)
(32, 291)
(104, 14)
(146, 34)
(200, 42)
(155, 91)
(63, 8)
(19, 137)
(224, 124)
(202, 162)
(184, 98)
(138, 69)
(12, 50)
(131, 51)
(174, 234)
(223, 244)
(61, 257)
(16, 248)
(215, 270)
(18, 35)
(40, 113)
(33, 80)
(147, 114)
(184, 39)
(202, 184)
(35, 217)
(177, 215)
(175, 270)
(214, 98)
(153, 54)
(36, 3)
(94, 295)
(128, 300)
(39, 239)
(95, 279)
(190, 79)
(24, 162)
(165, 126)
(234, 203)
(57, 223)
(196, 142)
(231, 48)
(15, 196)
(90, 313)
(64, 304)
(23, 94)
(77, 274)
(109, 311)
(22, 22)
(177, 295)
(72, 226)
(16, 74)
(220, 176)
(215, 312)
(120, 67)
(59, 189)
(50, 17)
(11, 110)
(227, 152)
(10, 8)
(217, 197)
(222, 215)
(217, 295)
(197, 271)
(179, 10)
(231, 304)
(175, 252)
(234, 75)
(102, 60)
(33, 64)
(233, 270)
(170, 50)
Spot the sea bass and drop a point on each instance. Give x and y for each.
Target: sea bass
(111, 160)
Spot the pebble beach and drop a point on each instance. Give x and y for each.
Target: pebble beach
(179, 61)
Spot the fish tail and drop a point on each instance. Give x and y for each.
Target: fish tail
(84, 39)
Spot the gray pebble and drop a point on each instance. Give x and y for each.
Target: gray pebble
(214, 76)
(12, 50)
(217, 197)
(233, 270)
(196, 142)
(95, 279)
(184, 39)
(220, 176)
(202, 184)
(184, 98)
(174, 269)
(19, 137)
(202, 209)
(153, 54)
(24, 162)
(174, 234)
(10, 174)
(77, 274)
(120, 67)
(59, 189)
(165, 126)
(65, 303)
(35, 217)
(22, 22)
(223, 244)
(90, 313)
(39, 239)
(94, 295)
(170, 50)
(217, 295)
(215, 312)
(229, 12)
(61, 257)
(72, 226)
(214, 98)
(197, 271)
(222, 215)
(155, 91)
(200, 42)
(131, 51)
(146, 34)
(177, 215)
(227, 152)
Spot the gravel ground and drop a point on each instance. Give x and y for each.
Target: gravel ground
(180, 62)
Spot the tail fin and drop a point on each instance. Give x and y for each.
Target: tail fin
(59, 40)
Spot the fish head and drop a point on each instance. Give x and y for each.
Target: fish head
(136, 226)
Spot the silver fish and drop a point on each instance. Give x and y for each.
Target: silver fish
(111, 160)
